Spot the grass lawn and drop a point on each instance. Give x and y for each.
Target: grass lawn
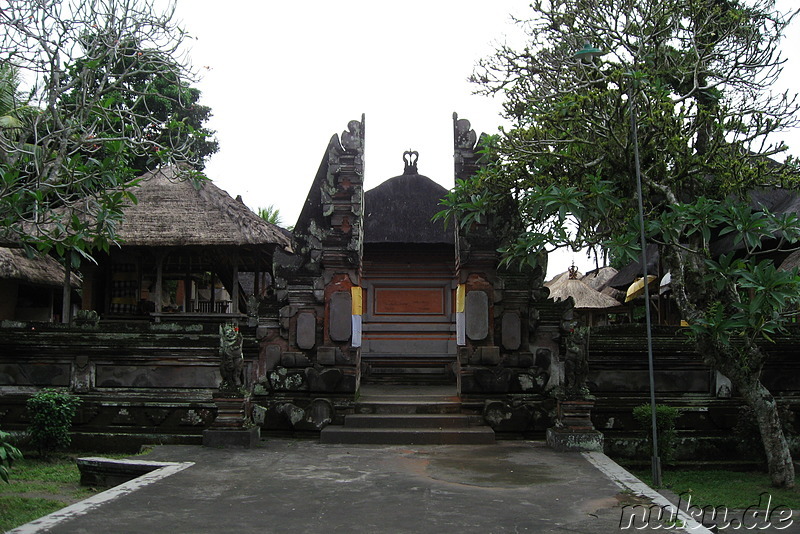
(40, 487)
(733, 489)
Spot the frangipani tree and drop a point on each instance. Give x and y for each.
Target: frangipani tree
(107, 95)
(698, 77)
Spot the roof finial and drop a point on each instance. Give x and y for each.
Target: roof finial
(410, 157)
(573, 272)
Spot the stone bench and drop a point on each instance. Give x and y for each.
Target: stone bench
(107, 472)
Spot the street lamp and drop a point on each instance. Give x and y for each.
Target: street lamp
(586, 55)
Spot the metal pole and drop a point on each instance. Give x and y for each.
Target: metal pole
(656, 461)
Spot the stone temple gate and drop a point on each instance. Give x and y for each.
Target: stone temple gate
(377, 295)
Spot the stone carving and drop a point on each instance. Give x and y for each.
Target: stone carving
(465, 136)
(231, 366)
(353, 138)
(280, 379)
(576, 365)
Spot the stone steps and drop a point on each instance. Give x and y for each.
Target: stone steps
(437, 421)
(409, 369)
(408, 436)
(418, 419)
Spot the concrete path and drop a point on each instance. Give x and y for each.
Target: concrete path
(306, 487)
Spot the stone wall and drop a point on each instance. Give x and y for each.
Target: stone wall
(709, 408)
(139, 383)
(311, 367)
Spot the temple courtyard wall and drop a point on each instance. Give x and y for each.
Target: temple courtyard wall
(153, 383)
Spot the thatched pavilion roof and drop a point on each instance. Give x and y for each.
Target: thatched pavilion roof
(791, 261)
(172, 212)
(39, 270)
(562, 287)
(401, 209)
(599, 278)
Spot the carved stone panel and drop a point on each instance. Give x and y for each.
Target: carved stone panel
(340, 312)
(477, 315)
(511, 332)
(306, 330)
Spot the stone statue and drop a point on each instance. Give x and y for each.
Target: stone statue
(231, 366)
(576, 365)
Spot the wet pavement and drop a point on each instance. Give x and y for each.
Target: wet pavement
(303, 486)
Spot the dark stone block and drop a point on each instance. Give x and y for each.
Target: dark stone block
(294, 359)
(477, 315)
(325, 381)
(511, 331)
(493, 380)
(225, 439)
(543, 358)
(347, 384)
(262, 331)
(526, 360)
(326, 356)
(347, 357)
(306, 330)
(273, 356)
(181, 376)
(341, 311)
(488, 355)
(34, 374)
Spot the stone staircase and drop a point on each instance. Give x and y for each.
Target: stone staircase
(409, 369)
(419, 415)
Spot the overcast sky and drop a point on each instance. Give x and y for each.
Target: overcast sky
(282, 77)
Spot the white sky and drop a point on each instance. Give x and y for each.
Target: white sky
(282, 77)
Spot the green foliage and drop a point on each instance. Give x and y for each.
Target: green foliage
(39, 487)
(8, 454)
(736, 490)
(16, 510)
(666, 417)
(98, 94)
(271, 214)
(51, 413)
(690, 83)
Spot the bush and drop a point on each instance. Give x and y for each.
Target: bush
(8, 453)
(51, 413)
(665, 425)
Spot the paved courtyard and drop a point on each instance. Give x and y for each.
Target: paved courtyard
(303, 486)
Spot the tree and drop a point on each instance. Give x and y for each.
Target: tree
(696, 75)
(108, 97)
(271, 214)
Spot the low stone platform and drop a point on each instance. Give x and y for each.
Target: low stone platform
(107, 472)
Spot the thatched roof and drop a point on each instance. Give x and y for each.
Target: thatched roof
(39, 270)
(599, 278)
(626, 276)
(792, 261)
(172, 212)
(400, 210)
(586, 298)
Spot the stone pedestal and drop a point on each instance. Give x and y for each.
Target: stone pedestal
(228, 429)
(574, 430)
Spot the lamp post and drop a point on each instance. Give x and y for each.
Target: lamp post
(587, 54)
